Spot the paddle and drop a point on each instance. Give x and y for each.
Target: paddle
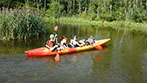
(57, 57)
(98, 47)
(56, 29)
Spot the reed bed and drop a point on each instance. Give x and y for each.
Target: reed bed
(20, 24)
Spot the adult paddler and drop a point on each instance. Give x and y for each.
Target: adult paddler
(52, 44)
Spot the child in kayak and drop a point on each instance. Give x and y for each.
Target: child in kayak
(82, 42)
(51, 43)
(74, 42)
(63, 42)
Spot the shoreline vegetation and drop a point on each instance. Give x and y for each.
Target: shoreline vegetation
(22, 19)
(122, 25)
(20, 24)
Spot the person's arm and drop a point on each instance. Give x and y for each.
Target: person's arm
(64, 45)
(47, 45)
(76, 42)
(93, 40)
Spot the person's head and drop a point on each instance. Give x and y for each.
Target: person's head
(63, 37)
(52, 37)
(75, 37)
(64, 40)
(91, 37)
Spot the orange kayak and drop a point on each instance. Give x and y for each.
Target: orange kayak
(43, 51)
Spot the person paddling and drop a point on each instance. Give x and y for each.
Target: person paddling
(51, 43)
(90, 40)
(82, 42)
(74, 42)
(63, 44)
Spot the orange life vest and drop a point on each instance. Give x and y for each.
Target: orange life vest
(50, 43)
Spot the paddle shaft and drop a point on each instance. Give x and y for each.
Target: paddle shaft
(56, 29)
(57, 57)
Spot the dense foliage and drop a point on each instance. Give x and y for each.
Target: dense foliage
(110, 10)
(20, 23)
(25, 18)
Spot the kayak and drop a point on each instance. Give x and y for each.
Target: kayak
(43, 51)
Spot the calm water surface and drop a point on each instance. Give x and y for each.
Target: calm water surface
(123, 59)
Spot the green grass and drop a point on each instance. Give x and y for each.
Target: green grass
(123, 25)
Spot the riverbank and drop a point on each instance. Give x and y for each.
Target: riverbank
(123, 25)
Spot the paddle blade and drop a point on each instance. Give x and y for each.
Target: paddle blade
(99, 47)
(56, 28)
(57, 57)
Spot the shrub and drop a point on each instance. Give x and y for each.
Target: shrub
(83, 15)
(93, 16)
(139, 16)
(97, 19)
(48, 13)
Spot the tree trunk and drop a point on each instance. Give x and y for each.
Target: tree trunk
(120, 3)
(79, 7)
(126, 12)
(59, 8)
(131, 11)
(37, 3)
(73, 7)
(97, 12)
(90, 5)
(103, 6)
(68, 9)
(110, 9)
(146, 5)
(104, 3)
(136, 3)
(129, 8)
(141, 4)
(70, 6)
(120, 15)
(130, 3)
(85, 9)
(27, 2)
(120, 10)
(45, 4)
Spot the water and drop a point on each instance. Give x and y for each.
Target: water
(123, 59)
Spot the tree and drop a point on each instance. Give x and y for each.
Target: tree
(56, 8)
(109, 9)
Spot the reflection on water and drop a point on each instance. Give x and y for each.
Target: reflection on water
(97, 57)
(123, 59)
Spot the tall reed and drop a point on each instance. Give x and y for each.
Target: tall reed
(20, 23)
